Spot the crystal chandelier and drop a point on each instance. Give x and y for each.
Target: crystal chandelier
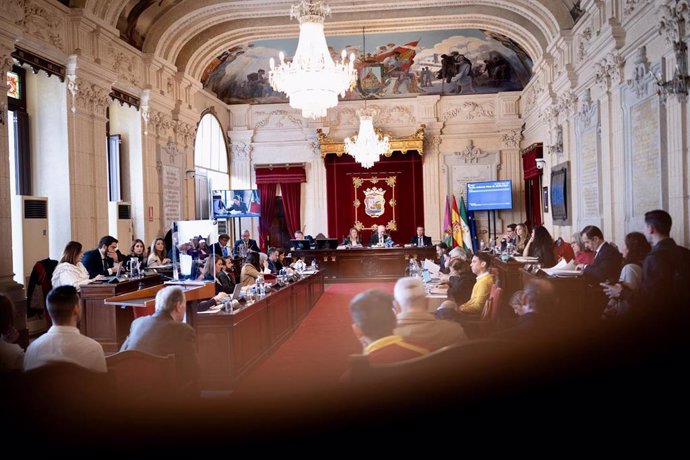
(366, 147)
(312, 81)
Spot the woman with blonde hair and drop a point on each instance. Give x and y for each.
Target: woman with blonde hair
(70, 271)
(521, 238)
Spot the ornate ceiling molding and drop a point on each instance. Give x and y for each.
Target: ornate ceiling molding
(44, 23)
(470, 111)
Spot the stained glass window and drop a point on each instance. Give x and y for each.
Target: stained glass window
(13, 90)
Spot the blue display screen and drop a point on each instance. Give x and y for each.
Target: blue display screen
(490, 196)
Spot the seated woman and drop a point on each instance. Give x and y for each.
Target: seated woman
(582, 255)
(442, 253)
(352, 239)
(280, 263)
(541, 245)
(635, 249)
(521, 238)
(70, 271)
(250, 270)
(222, 280)
(137, 251)
(460, 282)
(203, 249)
(157, 256)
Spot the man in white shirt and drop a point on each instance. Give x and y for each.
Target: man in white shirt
(63, 342)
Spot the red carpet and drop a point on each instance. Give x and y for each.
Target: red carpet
(316, 354)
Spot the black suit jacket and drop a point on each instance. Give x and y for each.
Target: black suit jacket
(415, 240)
(606, 265)
(374, 240)
(93, 263)
(161, 335)
(218, 249)
(251, 244)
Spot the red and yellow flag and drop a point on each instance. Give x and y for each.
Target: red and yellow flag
(457, 226)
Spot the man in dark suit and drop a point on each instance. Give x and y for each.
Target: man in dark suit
(378, 238)
(221, 247)
(104, 260)
(607, 260)
(164, 333)
(248, 243)
(420, 239)
(237, 205)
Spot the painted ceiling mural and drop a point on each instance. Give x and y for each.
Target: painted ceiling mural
(406, 64)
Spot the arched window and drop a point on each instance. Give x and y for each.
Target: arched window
(210, 162)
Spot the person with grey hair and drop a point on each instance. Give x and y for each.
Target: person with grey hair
(534, 310)
(416, 323)
(582, 254)
(164, 333)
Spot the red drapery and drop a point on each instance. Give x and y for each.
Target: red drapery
(406, 208)
(289, 178)
(292, 201)
(532, 184)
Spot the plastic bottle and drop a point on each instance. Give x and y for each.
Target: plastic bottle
(313, 265)
(260, 286)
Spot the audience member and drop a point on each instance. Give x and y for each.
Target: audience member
(137, 251)
(606, 265)
(481, 262)
(373, 322)
(583, 256)
(164, 333)
(521, 238)
(250, 269)
(103, 260)
(157, 256)
(63, 342)
(70, 271)
(221, 247)
(415, 323)
(245, 244)
(11, 354)
(635, 249)
(541, 245)
(533, 309)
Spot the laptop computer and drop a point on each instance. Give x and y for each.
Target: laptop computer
(300, 244)
(328, 243)
(113, 278)
(236, 292)
(426, 276)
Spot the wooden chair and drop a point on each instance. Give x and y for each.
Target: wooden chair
(141, 377)
(488, 321)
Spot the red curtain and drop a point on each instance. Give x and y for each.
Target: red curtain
(289, 178)
(406, 210)
(267, 193)
(532, 184)
(292, 201)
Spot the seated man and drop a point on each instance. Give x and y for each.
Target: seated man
(299, 236)
(63, 342)
(532, 307)
(164, 333)
(373, 322)
(420, 239)
(509, 235)
(416, 323)
(245, 244)
(272, 260)
(482, 287)
(607, 260)
(378, 238)
(104, 260)
(237, 205)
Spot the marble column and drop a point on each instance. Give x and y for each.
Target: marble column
(314, 205)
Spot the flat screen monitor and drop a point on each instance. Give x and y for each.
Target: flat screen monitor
(300, 244)
(559, 207)
(490, 196)
(235, 203)
(327, 243)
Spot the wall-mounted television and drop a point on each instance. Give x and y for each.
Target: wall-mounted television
(490, 196)
(559, 194)
(235, 203)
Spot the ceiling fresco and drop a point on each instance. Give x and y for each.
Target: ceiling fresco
(393, 65)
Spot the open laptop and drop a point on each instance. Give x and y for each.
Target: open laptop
(328, 243)
(300, 244)
(113, 278)
(236, 292)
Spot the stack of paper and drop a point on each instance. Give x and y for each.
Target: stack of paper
(563, 268)
(432, 267)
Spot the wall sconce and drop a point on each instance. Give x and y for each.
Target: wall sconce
(672, 26)
(540, 163)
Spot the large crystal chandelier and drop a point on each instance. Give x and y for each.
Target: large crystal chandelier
(312, 81)
(366, 147)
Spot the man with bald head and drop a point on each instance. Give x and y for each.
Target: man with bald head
(246, 243)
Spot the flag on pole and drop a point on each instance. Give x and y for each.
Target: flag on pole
(457, 228)
(473, 231)
(447, 226)
(465, 224)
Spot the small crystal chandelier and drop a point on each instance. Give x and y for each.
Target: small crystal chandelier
(366, 147)
(312, 81)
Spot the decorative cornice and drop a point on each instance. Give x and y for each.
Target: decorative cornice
(403, 144)
(470, 111)
(36, 21)
(124, 66)
(608, 71)
(37, 63)
(89, 96)
(670, 14)
(278, 119)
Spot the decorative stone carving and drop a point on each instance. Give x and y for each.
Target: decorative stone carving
(631, 5)
(171, 150)
(608, 70)
(36, 21)
(395, 115)
(161, 123)
(89, 96)
(549, 115)
(670, 14)
(639, 82)
(3, 112)
(470, 111)
(587, 110)
(278, 119)
(184, 131)
(532, 94)
(511, 139)
(556, 135)
(583, 47)
(241, 151)
(144, 107)
(471, 153)
(345, 116)
(169, 85)
(434, 144)
(567, 103)
(6, 60)
(315, 146)
(125, 66)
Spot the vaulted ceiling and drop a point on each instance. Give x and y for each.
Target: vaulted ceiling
(191, 33)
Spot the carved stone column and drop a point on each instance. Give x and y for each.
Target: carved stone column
(88, 160)
(434, 197)
(315, 218)
(7, 284)
(241, 159)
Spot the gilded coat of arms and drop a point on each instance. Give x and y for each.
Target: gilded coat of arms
(374, 202)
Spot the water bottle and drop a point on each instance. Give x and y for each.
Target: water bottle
(313, 265)
(389, 242)
(482, 246)
(505, 255)
(282, 276)
(260, 286)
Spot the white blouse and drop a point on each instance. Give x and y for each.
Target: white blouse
(67, 274)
